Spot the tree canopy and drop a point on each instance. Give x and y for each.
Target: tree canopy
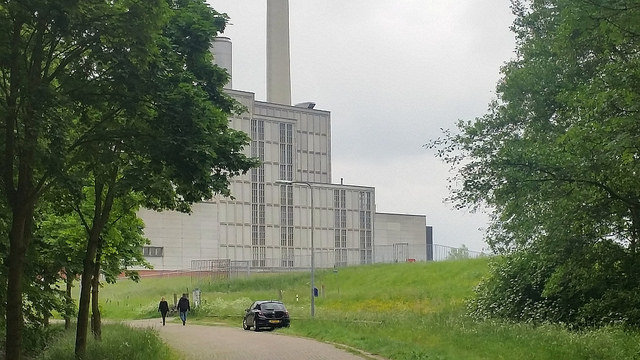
(557, 159)
(120, 97)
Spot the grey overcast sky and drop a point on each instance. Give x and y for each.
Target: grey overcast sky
(392, 73)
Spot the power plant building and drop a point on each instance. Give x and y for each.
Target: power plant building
(279, 210)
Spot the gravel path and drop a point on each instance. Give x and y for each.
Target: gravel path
(199, 342)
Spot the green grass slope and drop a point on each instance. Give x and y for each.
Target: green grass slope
(118, 342)
(399, 311)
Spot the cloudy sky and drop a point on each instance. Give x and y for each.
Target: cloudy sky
(392, 73)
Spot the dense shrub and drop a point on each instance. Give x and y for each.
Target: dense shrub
(589, 285)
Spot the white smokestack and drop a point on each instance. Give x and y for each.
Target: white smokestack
(278, 67)
(223, 56)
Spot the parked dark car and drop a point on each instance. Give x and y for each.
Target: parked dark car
(266, 314)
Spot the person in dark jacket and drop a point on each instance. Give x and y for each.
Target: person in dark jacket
(183, 308)
(163, 307)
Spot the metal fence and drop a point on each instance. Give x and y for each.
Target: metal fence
(442, 253)
(210, 270)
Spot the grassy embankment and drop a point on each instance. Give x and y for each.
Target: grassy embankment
(399, 311)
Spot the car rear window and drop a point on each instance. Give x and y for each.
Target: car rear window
(272, 306)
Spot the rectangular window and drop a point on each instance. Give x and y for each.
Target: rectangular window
(261, 193)
(261, 214)
(283, 194)
(254, 235)
(254, 192)
(261, 174)
(289, 154)
(283, 257)
(291, 236)
(254, 148)
(152, 251)
(290, 133)
(260, 130)
(365, 200)
(290, 194)
(283, 216)
(254, 129)
(254, 213)
(261, 234)
(289, 172)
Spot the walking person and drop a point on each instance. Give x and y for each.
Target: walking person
(163, 307)
(183, 307)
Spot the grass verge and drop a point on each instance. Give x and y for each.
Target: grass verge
(399, 311)
(118, 342)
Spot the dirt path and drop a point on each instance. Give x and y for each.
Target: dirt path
(199, 342)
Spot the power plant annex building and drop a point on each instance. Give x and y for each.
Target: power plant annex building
(290, 200)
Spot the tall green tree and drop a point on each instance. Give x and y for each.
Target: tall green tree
(119, 249)
(119, 245)
(557, 158)
(51, 54)
(64, 238)
(174, 146)
(122, 92)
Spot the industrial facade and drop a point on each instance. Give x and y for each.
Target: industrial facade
(266, 222)
(279, 208)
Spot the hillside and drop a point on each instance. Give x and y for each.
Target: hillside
(400, 311)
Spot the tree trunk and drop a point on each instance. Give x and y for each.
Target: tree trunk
(85, 294)
(100, 216)
(13, 344)
(96, 326)
(19, 238)
(68, 301)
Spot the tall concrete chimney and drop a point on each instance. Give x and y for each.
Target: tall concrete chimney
(278, 67)
(223, 56)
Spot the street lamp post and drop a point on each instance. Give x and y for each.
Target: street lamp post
(313, 264)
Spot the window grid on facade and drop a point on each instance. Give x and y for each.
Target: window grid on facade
(286, 195)
(365, 200)
(366, 242)
(286, 151)
(341, 257)
(258, 208)
(254, 214)
(340, 224)
(254, 192)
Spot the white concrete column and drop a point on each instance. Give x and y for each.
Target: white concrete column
(221, 48)
(278, 58)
